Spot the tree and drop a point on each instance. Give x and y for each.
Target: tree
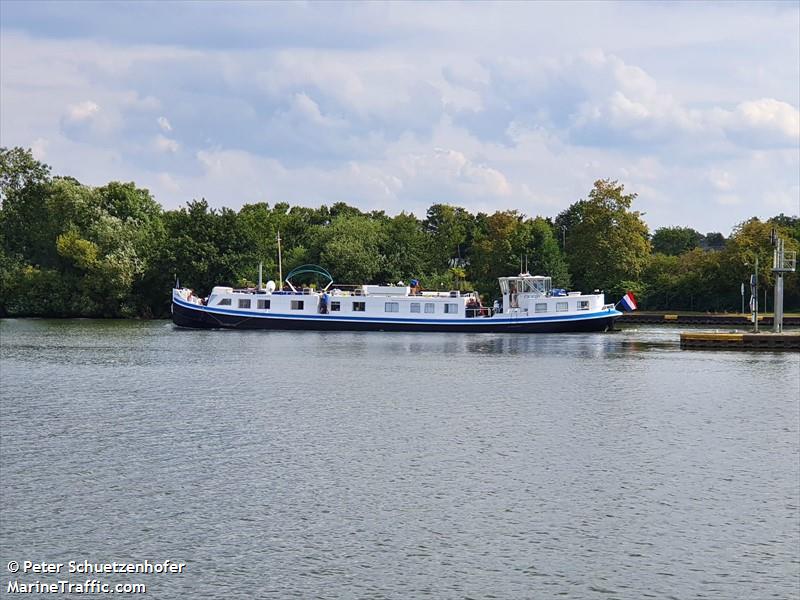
(496, 249)
(405, 248)
(505, 242)
(750, 239)
(450, 231)
(351, 249)
(542, 250)
(565, 223)
(713, 241)
(675, 240)
(791, 225)
(609, 242)
(19, 170)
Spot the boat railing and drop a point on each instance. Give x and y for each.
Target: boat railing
(479, 312)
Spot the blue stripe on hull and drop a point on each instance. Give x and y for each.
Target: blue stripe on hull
(190, 315)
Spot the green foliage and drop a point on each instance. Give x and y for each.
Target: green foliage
(713, 241)
(675, 240)
(78, 252)
(405, 248)
(18, 171)
(351, 249)
(751, 239)
(68, 249)
(694, 280)
(790, 225)
(450, 230)
(506, 243)
(608, 242)
(88, 251)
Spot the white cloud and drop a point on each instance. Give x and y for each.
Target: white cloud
(766, 119)
(721, 180)
(39, 148)
(165, 144)
(402, 109)
(168, 182)
(82, 111)
(164, 124)
(451, 168)
(728, 200)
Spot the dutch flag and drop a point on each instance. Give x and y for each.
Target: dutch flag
(628, 302)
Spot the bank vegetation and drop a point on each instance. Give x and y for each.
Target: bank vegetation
(72, 250)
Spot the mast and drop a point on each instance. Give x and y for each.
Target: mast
(280, 266)
(260, 278)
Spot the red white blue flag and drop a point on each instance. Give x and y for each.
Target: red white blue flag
(628, 302)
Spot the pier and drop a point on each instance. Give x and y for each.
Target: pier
(741, 340)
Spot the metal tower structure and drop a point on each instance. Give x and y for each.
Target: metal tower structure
(783, 261)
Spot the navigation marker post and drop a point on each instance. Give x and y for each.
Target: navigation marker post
(782, 262)
(742, 298)
(754, 295)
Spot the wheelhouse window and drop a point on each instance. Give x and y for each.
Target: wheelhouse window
(336, 306)
(359, 306)
(583, 305)
(298, 304)
(541, 307)
(263, 304)
(224, 302)
(392, 307)
(430, 308)
(244, 302)
(451, 308)
(562, 306)
(415, 306)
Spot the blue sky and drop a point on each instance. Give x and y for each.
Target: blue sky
(397, 106)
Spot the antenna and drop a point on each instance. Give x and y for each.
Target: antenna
(280, 265)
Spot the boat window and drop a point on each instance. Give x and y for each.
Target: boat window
(392, 307)
(263, 304)
(541, 307)
(451, 309)
(359, 306)
(224, 302)
(415, 307)
(583, 305)
(244, 302)
(336, 306)
(562, 306)
(430, 307)
(298, 304)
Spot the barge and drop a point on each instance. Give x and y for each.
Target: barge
(529, 305)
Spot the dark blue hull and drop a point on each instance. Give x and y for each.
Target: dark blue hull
(203, 318)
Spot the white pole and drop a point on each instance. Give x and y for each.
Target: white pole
(742, 298)
(755, 302)
(260, 278)
(280, 265)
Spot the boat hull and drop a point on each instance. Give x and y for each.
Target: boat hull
(201, 317)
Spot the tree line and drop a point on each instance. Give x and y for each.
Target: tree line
(69, 249)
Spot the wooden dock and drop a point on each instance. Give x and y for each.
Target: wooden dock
(741, 340)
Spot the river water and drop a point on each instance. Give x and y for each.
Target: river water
(379, 465)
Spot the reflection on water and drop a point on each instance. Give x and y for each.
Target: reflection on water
(385, 465)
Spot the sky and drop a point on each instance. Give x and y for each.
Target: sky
(396, 106)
